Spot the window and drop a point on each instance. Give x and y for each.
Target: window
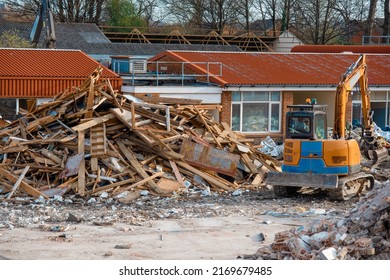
(256, 111)
(8, 108)
(379, 105)
(299, 125)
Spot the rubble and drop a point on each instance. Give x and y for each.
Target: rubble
(93, 141)
(363, 234)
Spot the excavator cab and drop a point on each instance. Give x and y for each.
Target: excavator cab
(306, 122)
(313, 160)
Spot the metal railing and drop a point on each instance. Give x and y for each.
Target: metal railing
(376, 40)
(167, 70)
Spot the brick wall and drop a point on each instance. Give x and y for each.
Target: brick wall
(287, 99)
(226, 112)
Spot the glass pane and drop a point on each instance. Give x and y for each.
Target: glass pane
(236, 112)
(256, 96)
(236, 96)
(356, 115)
(356, 96)
(378, 95)
(275, 117)
(8, 109)
(275, 96)
(388, 116)
(255, 117)
(299, 125)
(379, 109)
(320, 127)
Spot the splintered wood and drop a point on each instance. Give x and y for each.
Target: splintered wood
(92, 139)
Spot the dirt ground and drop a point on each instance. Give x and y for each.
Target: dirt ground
(197, 228)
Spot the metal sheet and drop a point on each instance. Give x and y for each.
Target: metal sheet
(72, 166)
(311, 180)
(210, 158)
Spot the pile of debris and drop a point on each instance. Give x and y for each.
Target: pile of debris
(92, 139)
(363, 234)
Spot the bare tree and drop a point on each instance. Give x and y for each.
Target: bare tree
(148, 10)
(63, 10)
(386, 21)
(352, 14)
(186, 12)
(244, 13)
(275, 15)
(316, 21)
(370, 20)
(220, 13)
(286, 14)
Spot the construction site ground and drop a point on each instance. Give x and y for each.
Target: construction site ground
(221, 227)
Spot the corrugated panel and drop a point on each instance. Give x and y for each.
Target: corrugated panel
(41, 88)
(281, 69)
(48, 63)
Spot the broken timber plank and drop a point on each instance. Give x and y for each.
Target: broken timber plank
(177, 173)
(18, 181)
(231, 134)
(126, 117)
(110, 186)
(208, 128)
(90, 98)
(137, 166)
(81, 172)
(97, 144)
(248, 162)
(26, 187)
(93, 122)
(209, 178)
(146, 180)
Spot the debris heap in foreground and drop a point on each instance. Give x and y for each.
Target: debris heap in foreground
(364, 234)
(92, 139)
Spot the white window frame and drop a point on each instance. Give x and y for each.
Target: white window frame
(386, 101)
(269, 102)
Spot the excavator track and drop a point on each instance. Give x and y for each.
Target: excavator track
(352, 185)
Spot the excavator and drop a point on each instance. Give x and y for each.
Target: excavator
(43, 20)
(314, 160)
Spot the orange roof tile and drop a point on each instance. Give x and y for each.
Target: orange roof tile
(41, 73)
(282, 69)
(341, 48)
(48, 63)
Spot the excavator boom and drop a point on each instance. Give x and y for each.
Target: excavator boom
(43, 20)
(356, 74)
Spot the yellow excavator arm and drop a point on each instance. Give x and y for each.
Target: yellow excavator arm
(357, 74)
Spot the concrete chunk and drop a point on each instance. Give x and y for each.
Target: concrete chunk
(328, 254)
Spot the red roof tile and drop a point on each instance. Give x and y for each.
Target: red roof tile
(341, 48)
(48, 63)
(41, 73)
(282, 69)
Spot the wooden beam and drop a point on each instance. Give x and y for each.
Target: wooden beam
(208, 128)
(177, 173)
(18, 181)
(137, 166)
(26, 187)
(81, 176)
(110, 186)
(209, 178)
(93, 122)
(146, 180)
